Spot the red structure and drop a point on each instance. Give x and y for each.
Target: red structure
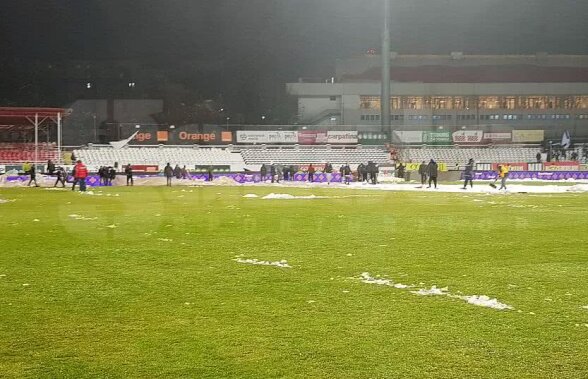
(25, 124)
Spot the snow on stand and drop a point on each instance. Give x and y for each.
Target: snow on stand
(283, 263)
(479, 300)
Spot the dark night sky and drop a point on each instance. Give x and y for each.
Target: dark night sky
(279, 40)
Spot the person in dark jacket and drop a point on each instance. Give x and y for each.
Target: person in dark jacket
(311, 171)
(468, 174)
(178, 172)
(273, 172)
(129, 173)
(61, 176)
(50, 167)
(401, 170)
(111, 175)
(360, 172)
(432, 171)
(210, 173)
(423, 173)
(286, 173)
(168, 172)
(328, 170)
(263, 172)
(33, 174)
(347, 173)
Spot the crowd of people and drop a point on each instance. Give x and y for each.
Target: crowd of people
(277, 172)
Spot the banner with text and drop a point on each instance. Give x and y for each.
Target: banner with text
(349, 137)
(311, 137)
(407, 136)
(261, 136)
(437, 138)
(519, 136)
(498, 137)
(468, 136)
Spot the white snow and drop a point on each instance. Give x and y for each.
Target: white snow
(165, 239)
(433, 291)
(366, 278)
(479, 300)
(282, 263)
(2, 201)
(585, 307)
(250, 196)
(285, 196)
(82, 218)
(111, 226)
(485, 301)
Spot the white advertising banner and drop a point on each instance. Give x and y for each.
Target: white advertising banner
(408, 136)
(528, 136)
(497, 136)
(342, 136)
(468, 136)
(261, 136)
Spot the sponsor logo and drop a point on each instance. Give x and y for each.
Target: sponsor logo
(206, 137)
(143, 137)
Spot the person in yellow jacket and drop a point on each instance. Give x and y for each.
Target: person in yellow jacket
(503, 174)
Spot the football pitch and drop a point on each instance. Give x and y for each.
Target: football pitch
(202, 282)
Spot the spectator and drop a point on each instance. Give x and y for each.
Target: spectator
(538, 157)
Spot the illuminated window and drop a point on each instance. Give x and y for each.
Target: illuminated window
(369, 102)
(489, 102)
(442, 102)
(413, 102)
(581, 102)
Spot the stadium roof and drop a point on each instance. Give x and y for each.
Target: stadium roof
(476, 74)
(11, 117)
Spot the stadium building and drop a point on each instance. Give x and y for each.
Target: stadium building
(490, 93)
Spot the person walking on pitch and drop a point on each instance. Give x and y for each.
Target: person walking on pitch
(468, 174)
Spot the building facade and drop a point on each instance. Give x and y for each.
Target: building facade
(453, 92)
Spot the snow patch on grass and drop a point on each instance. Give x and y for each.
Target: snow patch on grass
(250, 196)
(82, 218)
(478, 300)
(285, 196)
(282, 263)
(433, 291)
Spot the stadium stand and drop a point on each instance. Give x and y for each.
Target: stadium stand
(25, 152)
(107, 156)
(294, 156)
(453, 156)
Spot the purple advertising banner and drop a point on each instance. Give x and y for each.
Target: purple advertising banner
(538, 175)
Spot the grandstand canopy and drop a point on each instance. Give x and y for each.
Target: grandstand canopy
(13, 117)
(34, 118)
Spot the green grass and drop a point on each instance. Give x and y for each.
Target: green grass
(120, 303)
